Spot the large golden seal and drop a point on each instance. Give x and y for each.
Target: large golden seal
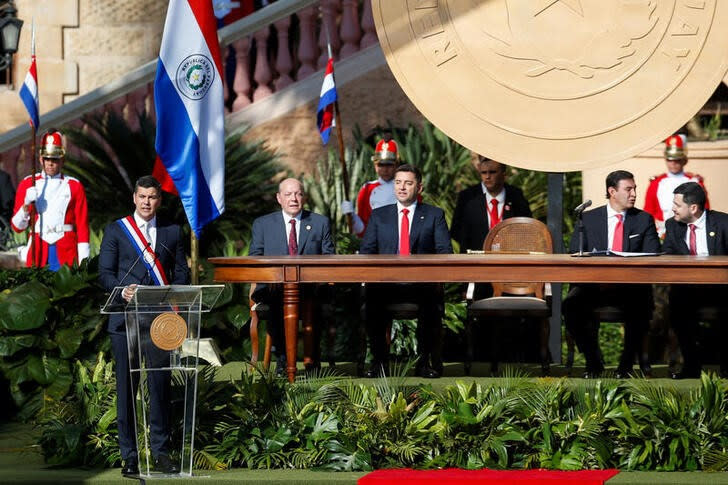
(556, 85)
(168, 331)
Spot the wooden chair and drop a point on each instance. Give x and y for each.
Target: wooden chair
(518, 235)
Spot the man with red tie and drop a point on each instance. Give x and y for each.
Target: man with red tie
(407, 227)
(482, 206)
(696, 231)
(289, 231)
(616, 226)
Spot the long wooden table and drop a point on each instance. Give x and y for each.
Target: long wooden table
(453, 268)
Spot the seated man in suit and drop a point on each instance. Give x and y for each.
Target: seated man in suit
(142, 249)
(407, 227)
(616, 226)
(696, 231)
(291, 230)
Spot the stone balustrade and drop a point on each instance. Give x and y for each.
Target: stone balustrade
(257, 65)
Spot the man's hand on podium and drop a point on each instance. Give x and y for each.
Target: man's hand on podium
(128, 292)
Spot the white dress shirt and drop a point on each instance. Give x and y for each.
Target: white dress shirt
(149, 229)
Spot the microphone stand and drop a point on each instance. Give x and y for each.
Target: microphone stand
(580, 229)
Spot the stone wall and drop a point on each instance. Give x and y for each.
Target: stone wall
(80, 45)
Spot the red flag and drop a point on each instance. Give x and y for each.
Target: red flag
(159, 172)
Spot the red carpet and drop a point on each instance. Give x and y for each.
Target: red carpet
(455, 476)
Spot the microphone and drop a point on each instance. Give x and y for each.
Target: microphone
(580, 208)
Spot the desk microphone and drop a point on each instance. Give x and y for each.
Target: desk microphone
(581, 207)
(148, 247)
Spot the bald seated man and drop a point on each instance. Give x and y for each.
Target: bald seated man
(292, 230)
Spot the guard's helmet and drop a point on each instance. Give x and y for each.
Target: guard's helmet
(676, 147)
(51, 145)
(386, 152)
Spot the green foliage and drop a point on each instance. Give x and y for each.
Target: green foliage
(47, 320)
(337, 423)
(81, 430)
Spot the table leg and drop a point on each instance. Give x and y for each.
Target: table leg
(291, 299)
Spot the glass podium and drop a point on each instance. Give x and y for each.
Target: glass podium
(163, 335)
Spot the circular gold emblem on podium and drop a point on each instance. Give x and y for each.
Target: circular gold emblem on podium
(168, 331)
(556, 85)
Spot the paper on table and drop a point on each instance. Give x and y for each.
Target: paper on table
(627, 254)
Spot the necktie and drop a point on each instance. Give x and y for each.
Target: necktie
(404, 243)
(148, 236)
(494, 218)
(693, 240)
(618, 234)
(292, 239)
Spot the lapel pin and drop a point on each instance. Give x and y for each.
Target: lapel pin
(308, 228)
(712, 234)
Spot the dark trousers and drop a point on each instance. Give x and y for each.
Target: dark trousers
(685, 301)
(635, 302)
(127, 384)
(430, 307)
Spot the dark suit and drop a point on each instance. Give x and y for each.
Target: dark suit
(120, 265)
(428, 235)
(635, 300)
(269, 239)
(7, 196)
(685, 300)
(470, 219)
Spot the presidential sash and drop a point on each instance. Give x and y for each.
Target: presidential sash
(143, 249)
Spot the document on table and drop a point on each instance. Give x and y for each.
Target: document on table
(626, 254)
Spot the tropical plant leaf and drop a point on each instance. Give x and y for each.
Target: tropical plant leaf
(25, 307)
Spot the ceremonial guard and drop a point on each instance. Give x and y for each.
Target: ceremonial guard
(376, 193)
(659, 196)
(56, 204)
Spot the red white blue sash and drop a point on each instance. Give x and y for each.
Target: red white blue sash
(143, 249)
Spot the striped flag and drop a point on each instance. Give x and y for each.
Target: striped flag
(188, 97)
(325, 113)
(29, 91)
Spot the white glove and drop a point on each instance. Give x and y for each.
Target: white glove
(30, 195)
(347, 207)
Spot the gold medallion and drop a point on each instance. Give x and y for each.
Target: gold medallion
(556, 85)
(168, 331)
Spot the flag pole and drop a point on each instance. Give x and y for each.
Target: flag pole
(194, 256)
(340, 138)
(35, 253)
(34, 256)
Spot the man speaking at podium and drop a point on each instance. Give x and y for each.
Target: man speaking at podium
(136, 250)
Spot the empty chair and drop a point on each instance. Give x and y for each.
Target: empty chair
(513, 301)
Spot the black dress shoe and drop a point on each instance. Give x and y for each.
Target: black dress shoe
(590, 374)
(427, 373)
(621, 374)
(131, 466)
(376, 369)
(685, 374)
(164, 464)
